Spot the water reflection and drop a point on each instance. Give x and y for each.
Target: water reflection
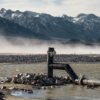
(69, 92)
(37, 93)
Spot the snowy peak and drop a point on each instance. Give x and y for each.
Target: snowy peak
(81, 18)
(65, 17)
(2, 12)
(9, 14)
(82, 15)
(29, 15)
(92, 16)
(83, 26)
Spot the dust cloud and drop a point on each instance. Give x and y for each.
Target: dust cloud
(33, 46)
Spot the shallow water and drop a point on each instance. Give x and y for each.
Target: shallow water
(67, 92)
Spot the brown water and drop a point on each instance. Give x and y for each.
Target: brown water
(68, 92)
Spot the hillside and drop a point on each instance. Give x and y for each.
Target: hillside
(82, 28)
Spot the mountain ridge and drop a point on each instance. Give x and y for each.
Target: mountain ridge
(83, 27)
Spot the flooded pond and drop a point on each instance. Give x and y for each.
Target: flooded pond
(67, 92)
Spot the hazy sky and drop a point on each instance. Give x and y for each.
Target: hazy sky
(54, 7)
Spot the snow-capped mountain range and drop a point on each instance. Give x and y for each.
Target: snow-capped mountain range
(84, 27)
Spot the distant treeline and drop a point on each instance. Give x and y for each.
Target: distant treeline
(43, 58)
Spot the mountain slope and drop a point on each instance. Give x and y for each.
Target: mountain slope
(11, 29)
(84, 27)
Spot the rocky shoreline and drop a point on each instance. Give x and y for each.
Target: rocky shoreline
(1, 96)
(29, 81)
(37, 80)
